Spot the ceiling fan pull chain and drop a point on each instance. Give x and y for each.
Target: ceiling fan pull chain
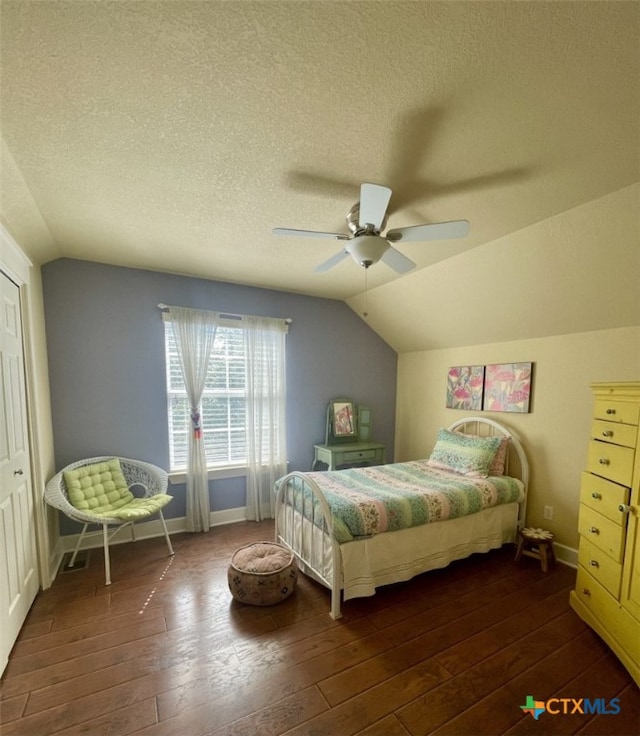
(365, 314)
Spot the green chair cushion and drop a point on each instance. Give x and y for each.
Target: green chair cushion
(139, 508)
(101, 490)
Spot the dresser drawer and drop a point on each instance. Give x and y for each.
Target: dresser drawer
(604, 569)
(604, 533)
(615, 620)
(616, 411)
(603, 496)
(618, 434)
(611, 461)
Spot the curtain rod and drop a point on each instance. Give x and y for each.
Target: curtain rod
(288, 320)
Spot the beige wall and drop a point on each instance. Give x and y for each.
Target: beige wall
(575, 272)
(554, 433)
(40, 412)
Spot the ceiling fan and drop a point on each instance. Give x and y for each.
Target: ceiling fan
(366, 219)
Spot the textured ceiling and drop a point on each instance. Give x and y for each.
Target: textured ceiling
(174, 136)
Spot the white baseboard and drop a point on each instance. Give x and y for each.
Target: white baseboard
(144, 530)
(566, 555)
(55, 559)
(229, 516)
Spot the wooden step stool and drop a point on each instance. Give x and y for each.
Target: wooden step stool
(536, 543)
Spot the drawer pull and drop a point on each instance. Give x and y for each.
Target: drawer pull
(624, 508)
(597, 496)
(611, 411)
(604, 461)
(586, 591)
(594, 563)
(594, 530)
(607, 433)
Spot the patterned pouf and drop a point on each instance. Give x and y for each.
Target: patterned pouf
(262, 573)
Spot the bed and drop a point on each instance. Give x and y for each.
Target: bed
(357, 529)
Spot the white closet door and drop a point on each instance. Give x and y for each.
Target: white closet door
(19, 581)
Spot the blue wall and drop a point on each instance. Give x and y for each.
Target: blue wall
(105, 341)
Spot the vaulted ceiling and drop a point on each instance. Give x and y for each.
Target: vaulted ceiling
(174, 136)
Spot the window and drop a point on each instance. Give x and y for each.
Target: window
(223, 402)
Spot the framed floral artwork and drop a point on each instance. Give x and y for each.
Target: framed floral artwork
(507, 387)
(464, 387)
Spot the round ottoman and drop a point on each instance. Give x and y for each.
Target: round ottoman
(262, 573)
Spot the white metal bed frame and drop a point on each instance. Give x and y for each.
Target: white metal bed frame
(319, 555)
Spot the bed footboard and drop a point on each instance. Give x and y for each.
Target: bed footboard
(304, 524)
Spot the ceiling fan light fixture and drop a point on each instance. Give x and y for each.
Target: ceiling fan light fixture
(367, 249)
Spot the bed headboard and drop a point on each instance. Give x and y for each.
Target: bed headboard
(516, 464)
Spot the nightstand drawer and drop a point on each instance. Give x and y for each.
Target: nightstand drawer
(339, 457)
(617, 411)
(603, 496)
(611, 461)
(350, 457)
(604, 569)
(618, 434)
(604, 533)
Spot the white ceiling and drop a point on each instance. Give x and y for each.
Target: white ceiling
(174, 136)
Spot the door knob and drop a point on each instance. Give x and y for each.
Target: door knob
(18, 472)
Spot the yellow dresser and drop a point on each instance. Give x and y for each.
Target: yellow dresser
(607, 593)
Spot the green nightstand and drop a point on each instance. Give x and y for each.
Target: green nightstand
(347, 440)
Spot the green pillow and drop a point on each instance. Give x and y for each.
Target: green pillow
(458, 453)
(101, 490)
(98, 488)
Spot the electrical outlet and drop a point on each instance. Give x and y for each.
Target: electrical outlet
(548, 513)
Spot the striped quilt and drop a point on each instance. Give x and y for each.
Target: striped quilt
(384, 498)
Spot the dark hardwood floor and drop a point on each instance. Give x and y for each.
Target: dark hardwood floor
(165, 650)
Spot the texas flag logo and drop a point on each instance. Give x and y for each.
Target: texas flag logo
(535, 707)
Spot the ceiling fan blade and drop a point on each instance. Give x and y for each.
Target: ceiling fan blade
(333, 261)
(397, 261)
(309, 233)
(374, 200)
(433, 231)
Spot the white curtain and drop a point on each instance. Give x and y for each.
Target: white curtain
(264, 341)
(195, 332)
